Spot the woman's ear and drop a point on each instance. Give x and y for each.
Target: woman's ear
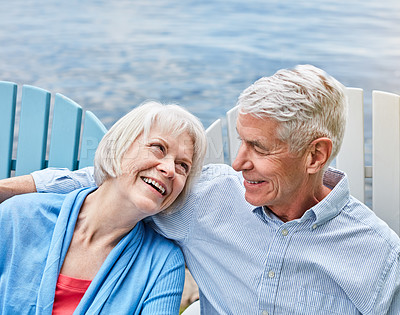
(319, 153)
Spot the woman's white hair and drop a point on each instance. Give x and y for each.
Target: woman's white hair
(306, 102)
(171, 119)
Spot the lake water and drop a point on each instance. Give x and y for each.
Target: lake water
(112, 55)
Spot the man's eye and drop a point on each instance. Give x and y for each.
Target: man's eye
(261, 151)
(258, 150)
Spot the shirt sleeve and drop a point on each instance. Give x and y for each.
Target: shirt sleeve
(62, 180)
(165, 297)
(175, 226)
(388, 299)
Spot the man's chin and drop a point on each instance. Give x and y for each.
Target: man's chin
(253, 201)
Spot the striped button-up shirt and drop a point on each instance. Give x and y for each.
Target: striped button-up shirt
(338, 258)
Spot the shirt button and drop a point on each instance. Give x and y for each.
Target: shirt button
(314, 226)
(271, 274)
(285, 232)
(264, 313)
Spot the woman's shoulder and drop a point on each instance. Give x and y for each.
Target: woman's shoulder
(32, 203)
(35, 199)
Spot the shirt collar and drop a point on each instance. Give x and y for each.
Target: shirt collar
(333, 203)
(327, 208)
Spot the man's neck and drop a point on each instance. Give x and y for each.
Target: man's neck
(300, 204)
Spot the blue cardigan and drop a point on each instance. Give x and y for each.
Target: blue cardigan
(143, 274)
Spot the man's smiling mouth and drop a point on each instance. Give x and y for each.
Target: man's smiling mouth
(254, 182)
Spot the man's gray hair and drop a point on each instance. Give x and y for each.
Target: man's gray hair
(306, 102)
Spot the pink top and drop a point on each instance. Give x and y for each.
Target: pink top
(69, 292)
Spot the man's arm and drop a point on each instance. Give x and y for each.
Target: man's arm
(62, 180)
(15, 186)
(48, 180)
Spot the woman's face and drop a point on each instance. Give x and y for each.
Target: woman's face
(154, 170)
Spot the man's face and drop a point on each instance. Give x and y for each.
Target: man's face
(273, 176)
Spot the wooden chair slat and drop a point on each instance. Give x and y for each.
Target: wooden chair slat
(33, 127)
(351, 156)
(386, 157)
(215, 144)
(93, 132)
(8, 97)
(233, 137)
(65, 133)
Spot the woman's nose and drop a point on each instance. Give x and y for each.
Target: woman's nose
(167, 167)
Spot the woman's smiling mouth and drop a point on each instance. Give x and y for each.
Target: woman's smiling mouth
(159, 187)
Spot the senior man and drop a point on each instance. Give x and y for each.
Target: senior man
(279, 233)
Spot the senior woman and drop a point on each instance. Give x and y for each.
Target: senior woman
(89, 251)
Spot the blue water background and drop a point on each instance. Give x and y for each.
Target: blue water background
(110, 56)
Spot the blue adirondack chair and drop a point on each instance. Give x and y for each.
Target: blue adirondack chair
(67, 146)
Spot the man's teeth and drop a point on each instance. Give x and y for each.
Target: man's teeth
(160, 188)
(252, 182)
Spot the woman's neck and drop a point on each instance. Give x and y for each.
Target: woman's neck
(104, 218)
(102, 222)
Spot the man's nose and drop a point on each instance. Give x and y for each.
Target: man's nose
(242, 161)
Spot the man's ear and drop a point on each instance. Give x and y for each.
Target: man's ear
(318, 155)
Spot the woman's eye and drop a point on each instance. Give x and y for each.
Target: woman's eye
(160, 147)
(183, 168)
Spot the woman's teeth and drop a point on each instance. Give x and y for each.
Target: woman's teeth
(153, 183)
